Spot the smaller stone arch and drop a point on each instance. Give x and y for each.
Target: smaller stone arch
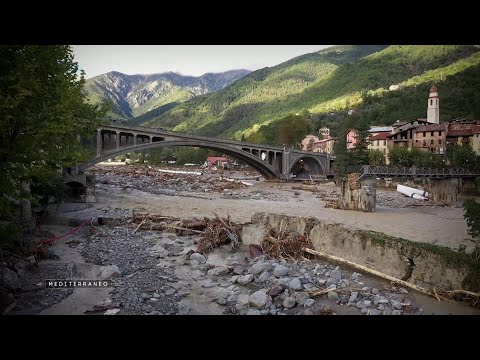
(76, 191)
(305, 166)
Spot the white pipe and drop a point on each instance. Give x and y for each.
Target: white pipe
(419, 197)
(410, 191)
(180, 172)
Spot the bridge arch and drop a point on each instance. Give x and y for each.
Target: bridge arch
(311, 162)
(262, 167)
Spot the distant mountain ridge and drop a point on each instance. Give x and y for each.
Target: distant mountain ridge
(136, 95)
(332, 81)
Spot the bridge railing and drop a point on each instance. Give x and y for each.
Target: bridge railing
(398, 171)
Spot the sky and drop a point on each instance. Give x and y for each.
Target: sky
(194, 60)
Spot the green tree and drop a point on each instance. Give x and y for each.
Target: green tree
(43, 115)
(342, 157)
(376, 158)
(400, 156)
(463, 156)
(360, 153)
(292, 130)
(472, 216)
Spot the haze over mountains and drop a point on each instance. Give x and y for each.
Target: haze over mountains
(134, 95)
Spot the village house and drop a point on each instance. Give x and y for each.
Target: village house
(308, 141)
(375, 130)
(462, 132)
(432, 138)
(325, 146)
(379, 142)
(352, 138)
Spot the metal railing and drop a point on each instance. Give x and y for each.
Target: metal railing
(396, 171)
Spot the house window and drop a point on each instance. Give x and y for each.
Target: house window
(431, 102)
(416, 141)
(424, 143)
(385, 142)
(440, 133)
(439, 141)
(424, 134)
(431, 133)
(377, 142)
(431, 142)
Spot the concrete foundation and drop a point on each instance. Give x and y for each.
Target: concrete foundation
(443, 191)
(358, 196)
(422, 264)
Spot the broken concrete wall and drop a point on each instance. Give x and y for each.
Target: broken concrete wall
(414, 262)
(443, 191)
(356, 195)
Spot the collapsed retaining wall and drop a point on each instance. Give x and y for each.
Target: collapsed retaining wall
(423, 264)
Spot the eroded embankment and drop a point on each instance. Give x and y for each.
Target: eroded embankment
(425, 265)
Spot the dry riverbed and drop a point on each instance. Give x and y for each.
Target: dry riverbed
(158, 272)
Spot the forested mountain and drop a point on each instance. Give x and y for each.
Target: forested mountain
(136, 95)
(382, 83)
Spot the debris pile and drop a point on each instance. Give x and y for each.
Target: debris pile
(285, 245)
(219, 232)
(216, 232)
(159, 182)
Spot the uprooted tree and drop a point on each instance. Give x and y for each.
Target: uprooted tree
(43, 116)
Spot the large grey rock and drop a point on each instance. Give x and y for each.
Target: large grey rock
(198, 258)
(374, 312)
(336, 275)
(109, 272)
(245, 279)
(353, 297)
(258, 298)
(239, 270)
(367, 303)
(234, 279)
(295, 284)
(253, 312)
(396, 304)
(217, 271)
(264, 276)
(280, 271)
(283, 281)
(360, 305)
(11, 280)
(375, 291)
(242, 301)
(332, 295)
(383, 301)
(355, 276)
(397, 312)
(289, 302)
(301, 297)
(309, 303)
(260, 267)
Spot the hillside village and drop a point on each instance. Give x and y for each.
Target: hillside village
(426, 134)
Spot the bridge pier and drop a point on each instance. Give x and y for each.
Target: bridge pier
(357, 196)
(443, 191)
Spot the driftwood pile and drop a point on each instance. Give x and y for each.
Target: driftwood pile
(215, 232)
(282, 244)
(219, 232)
